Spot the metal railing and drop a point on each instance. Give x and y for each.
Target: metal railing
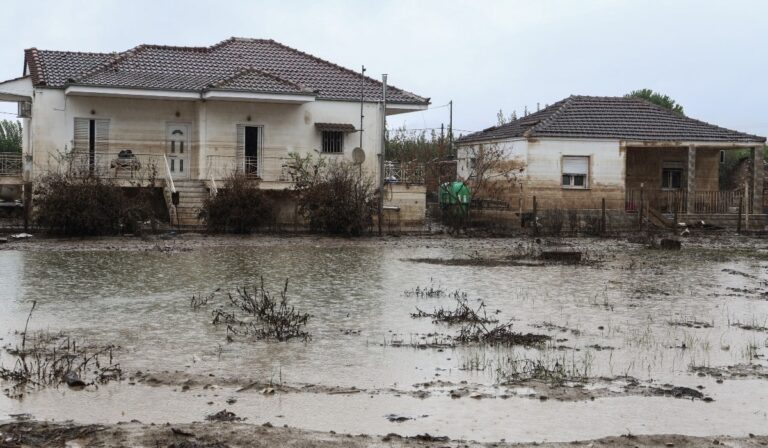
(671, 201)
(169, 175)
(404, 172)
(115, 165)
(271, 166)
(11, 164)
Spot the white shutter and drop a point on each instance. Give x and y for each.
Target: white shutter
(576, 165)
(240, 148)
(101, 141)
(82, 134)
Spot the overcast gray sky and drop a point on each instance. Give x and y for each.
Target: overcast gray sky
(712, 57)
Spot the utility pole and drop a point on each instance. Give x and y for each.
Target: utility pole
(382, 153)
(362, 99)
(450, 127)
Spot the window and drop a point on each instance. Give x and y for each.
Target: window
(575, 171)
(91, 138)
(671, 178)
(249, 148)
(333, 142)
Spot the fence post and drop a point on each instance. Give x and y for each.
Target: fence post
(738, 221)
(535, 218)
(602, 220)
(27, 204)
(747, 202)
(678, 204)
(640, 212)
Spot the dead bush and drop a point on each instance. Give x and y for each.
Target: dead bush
(463, 313)
(257, 313)
(73, 205)
(240, 206)
(335, 197)
(48, 359)
(479, 332)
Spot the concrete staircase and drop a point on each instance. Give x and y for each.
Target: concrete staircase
(192, 194)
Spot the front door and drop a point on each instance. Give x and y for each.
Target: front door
(177, 149)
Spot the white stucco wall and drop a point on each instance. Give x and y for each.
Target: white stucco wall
(606, 161)
(514, 149)
(140, 125)
(543, 171)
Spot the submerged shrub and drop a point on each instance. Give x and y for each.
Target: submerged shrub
(87, 204)
(336, 197)
(240, 206)
(71, 205)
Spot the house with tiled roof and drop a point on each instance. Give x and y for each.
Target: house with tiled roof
(627, 151)
(193, 115)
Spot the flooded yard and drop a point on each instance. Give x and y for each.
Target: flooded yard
(629, 340)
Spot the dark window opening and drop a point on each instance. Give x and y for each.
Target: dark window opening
(672, 178)
(333, 142)
(252, 150)
(92, 144)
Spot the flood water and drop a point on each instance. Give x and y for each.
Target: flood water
(622, 313)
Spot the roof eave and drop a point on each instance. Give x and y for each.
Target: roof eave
(265, 97)
(130, 92)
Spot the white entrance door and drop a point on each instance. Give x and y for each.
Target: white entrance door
(177, 149)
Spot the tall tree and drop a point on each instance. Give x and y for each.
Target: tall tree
(10, 136)
(658, 99)
(503, 119)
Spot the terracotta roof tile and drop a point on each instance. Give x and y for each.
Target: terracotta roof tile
(270, 65)
(619, 118)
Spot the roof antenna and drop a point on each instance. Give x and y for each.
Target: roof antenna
(537, 107)
(525, 111)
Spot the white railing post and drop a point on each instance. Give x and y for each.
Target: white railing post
(168, 175)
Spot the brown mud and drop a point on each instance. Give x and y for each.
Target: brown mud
(235, 435)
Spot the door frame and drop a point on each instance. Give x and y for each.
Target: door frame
(188, 155)
(260, 149)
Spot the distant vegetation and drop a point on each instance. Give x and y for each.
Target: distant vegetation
(10, 136)
(657, 98)
(417, 146)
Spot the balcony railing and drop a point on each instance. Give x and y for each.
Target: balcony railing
(404, 172)
(123, 165)
(671, 201)
(270, 166)
(10, 164)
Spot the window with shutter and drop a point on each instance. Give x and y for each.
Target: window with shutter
(101, 139)
(91, 140)
(575, 171)
(83, 129)
(82, 134)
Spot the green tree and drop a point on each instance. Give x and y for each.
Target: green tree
(502, 119)
(416, 146)
(10, 136)
(657, 98)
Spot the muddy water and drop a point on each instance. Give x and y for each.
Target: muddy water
(622, 302)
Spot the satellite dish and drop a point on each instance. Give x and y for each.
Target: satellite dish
(358, 155)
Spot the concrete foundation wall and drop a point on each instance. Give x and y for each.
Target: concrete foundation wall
(405, 207)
